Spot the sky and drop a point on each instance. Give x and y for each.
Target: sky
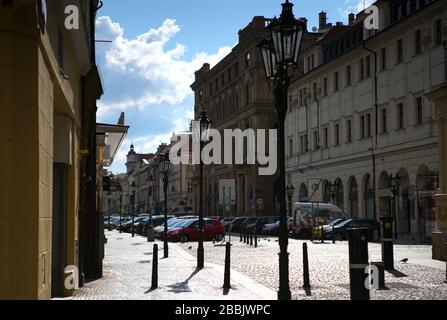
(157, 46)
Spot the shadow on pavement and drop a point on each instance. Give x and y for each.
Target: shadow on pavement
(397, 273)
(181, 287)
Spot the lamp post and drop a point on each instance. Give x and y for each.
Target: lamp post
(109, 204)
(394, 184)
(132, 189)
(290, 191)
(150, 184)
(121, 210)
(165, 169)
(280, 54)
(203, 136)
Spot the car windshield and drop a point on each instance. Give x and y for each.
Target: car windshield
(184, 223)
(344, 223)
(335, 222)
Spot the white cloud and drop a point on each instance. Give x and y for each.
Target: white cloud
(157, 74)
(354, 6)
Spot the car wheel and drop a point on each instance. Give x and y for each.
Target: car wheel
(218, 237)
(183, 238)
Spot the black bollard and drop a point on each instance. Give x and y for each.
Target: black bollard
(245, 236)
(358, 262)
(381, 268)
(387, 242)
(227, 284)
(155, 268)
(446, 262)
(251, 238)
(256, 238)
(333, 235)
(306, 278)
(242, 238)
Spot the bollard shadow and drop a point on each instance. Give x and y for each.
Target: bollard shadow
(397, 273)
(181, 287)
(150, 290)
(145, 261)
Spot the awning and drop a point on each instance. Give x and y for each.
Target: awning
(110, 137)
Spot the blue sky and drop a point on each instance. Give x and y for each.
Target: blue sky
(157, 46)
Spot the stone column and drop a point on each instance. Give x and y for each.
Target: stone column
(439, 237)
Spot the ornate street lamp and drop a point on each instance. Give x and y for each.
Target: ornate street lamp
(290, 190)
(132, 189)
(203, 136)
(165, 170)
(150, 184)
(394, 185)
(280, 56)
(109, 204)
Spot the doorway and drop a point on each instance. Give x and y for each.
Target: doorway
(59, 229)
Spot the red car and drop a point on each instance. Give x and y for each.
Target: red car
(189, 230)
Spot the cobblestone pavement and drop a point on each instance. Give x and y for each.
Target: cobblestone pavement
(421, 278)
(128, 268)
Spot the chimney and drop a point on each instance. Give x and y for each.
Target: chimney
(351, 18)
(339, 24)
(121, 119)
(323, 20)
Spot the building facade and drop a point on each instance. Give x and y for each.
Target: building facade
(235, 94)
(48, 96)
(359, 115)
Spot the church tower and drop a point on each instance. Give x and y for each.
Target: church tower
(131, 159)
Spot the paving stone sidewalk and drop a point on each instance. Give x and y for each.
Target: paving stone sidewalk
(127, 276)
(421, 278)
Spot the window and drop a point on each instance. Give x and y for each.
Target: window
(336, 87)
(326, 137)
(384, 121)
(362, 69)
(210, 88)
(400, 116)
(337, 134)
(316, 144)
(247, 93)
(290, 147)
(313, 62)
(368, 125)
(315, 91)
(368, 66)
(419, 111)
(303, 144)
(247, 60)
(418, 42)
(348, 76)
(383, 58)
(438, 32)
(200, 95)
(301, 97)
(325, 86)
(190, 187)
(400, 52)
(308, 64)
(362, 127)
(349, 130)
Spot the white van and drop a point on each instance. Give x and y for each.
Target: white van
(307, 216)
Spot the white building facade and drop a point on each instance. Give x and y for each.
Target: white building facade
(359, 115)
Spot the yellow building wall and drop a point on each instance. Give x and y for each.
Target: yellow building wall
(31, 91)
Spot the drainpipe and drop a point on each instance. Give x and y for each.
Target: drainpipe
(376, 111)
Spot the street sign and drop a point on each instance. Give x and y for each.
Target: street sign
(260, 202)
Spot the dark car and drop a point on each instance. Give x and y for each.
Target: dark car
(156, 221)
(260, 223)
(340, 229)
(271, 229)
(248, 221)
(237, 223)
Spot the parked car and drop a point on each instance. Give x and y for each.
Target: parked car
(227, 223)
(188, 230)
(156, 221)
(328, 227)
(237, 223)
(127, 227)
(159, 231)
(341, 229)
(271, 229)
(260, 223)
(307, 216)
